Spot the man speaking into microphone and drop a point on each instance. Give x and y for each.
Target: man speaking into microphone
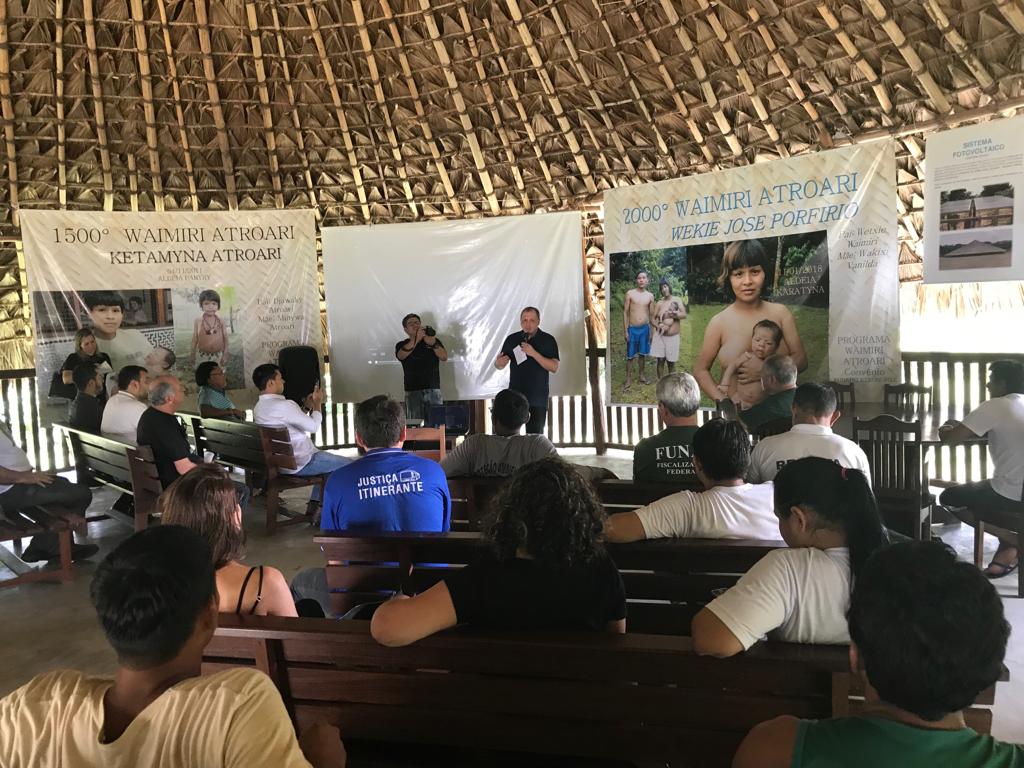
(534, 357)
(420, 355)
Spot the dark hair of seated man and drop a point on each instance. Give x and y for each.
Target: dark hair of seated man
(83, 375)
(379, 421)
(928, 632)
(723, 449)
(510, 411)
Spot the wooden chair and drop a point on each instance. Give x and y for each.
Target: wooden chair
(894, 452)
(907, 397)
(32, 521)
(773, 427)
(846, 397)
(428, 435)
(1006, 519)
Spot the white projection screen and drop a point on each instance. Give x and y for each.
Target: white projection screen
(467, 279)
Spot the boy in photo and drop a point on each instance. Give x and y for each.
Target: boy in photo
(764, 342)
(636, 321)
(209, 339)
(124, 346)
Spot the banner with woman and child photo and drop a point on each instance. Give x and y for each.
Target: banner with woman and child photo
(167, 291)
(714, 274)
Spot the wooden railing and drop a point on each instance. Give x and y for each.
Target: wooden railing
(958, 382)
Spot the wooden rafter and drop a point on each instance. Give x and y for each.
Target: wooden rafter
(7, 110)
(58, 77)
(256, 46)
(339, 110)
(146, 81)
(549, 89)
(862, 64)
(1013, 13)
(956, 41)
(460, 106)
(382, 102)
(97, 103)
(179, 112)
(417, 102)
(213, 93)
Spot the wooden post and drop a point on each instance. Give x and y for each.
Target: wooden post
(593, 374)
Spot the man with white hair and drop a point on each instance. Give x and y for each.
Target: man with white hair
(667, 456)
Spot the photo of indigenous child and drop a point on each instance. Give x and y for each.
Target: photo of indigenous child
(781, 280)
(653, 321)
(209, 339)
(206, 330)
(160, 361)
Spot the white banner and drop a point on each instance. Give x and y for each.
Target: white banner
(973, 215)
(808, 243)
(467, 279)
(170, 290)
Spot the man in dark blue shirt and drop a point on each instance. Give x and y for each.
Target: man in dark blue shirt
(388, 489)
(533, 355)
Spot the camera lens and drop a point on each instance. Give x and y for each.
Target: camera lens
(429, 331)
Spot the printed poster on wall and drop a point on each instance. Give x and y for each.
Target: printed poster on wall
(973, 229)
(713, 274)
(169, 291)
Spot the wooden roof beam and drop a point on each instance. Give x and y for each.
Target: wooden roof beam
(7, 110)
(210, 74)
(300, 141)
(179, 112)
(499, 124)
(882, 14)
(521, 111)
(958, 44)
(1011, 10)
(97, 103)
(460, 105)
(58, 78)
(339, 110)
(269, 138)
(549, 88)
(862, 64)
(146, 82)
(378, 92)
(421, 115)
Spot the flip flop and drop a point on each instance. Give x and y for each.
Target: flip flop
(1004, 569)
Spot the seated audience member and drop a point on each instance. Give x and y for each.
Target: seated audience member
(86, 410)
(828, 517)
(204, 500)
(214, 402)
(929, 634)
(86, 351)
(730, 508)
(388, 489)
(667, 456)
(21, 486)
(273, 409)
(547, 569)
(161, 430)
(778, 377)
(124, 409)
(502, 453)
(156, 599)
(1001, 420)
(814, 413)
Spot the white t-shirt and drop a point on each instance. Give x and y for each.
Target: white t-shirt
(771, 453)
(797, 595)
(121, 418)
(723, 512)
(11, 457)
(495, 455)
(128, 347)
(1002, 419)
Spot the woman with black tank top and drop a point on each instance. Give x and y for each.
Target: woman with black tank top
(204, 500)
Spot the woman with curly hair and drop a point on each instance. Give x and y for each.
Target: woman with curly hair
(546, 569)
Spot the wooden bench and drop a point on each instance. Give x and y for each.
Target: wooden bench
(259, 449)
(471, 495)
(32, 521)
(646, 699)
(125, 468)
(667, 580)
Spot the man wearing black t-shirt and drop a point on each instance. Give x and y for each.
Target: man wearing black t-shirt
(533, 355)
(420, 355)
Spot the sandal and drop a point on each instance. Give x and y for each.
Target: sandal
(1003, 569)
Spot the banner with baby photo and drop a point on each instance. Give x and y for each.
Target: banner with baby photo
(714, 274)
(168, 291)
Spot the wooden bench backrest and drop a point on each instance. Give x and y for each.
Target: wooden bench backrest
(666, 581)
(146, 483)
(245, 444)
(646, 699)
(100, 458)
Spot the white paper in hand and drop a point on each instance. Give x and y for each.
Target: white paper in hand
(519, 355)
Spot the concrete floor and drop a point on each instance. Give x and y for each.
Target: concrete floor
(48, 626)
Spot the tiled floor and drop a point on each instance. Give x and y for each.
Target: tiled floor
(46, 626)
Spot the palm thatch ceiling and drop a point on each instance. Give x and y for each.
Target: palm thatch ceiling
(400, 110)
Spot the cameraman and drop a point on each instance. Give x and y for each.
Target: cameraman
(420, 356)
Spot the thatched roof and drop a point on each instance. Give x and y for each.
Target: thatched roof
(399, 110)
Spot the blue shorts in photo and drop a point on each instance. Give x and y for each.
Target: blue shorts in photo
(639, 341)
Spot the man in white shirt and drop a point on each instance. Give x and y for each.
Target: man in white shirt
(730, 508)
(1001, 420)
(124, 409)
(814, 413)
(273, 409)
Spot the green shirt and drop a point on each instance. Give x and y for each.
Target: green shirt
(875, 742)
(777, 406)
(665, 457)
